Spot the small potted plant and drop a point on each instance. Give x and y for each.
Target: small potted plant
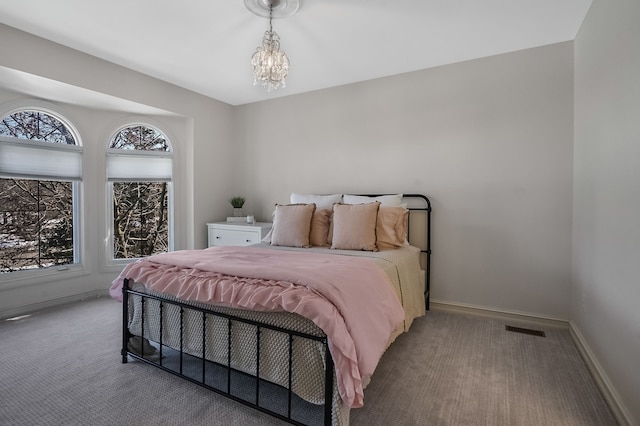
(237, 202)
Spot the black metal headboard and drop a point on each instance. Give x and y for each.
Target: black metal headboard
(419, 207)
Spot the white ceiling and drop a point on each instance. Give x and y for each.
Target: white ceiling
(206, 45)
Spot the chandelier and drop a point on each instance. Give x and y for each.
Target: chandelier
(270, 63)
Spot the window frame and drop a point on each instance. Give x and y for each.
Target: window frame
(34, 276)
(137, 155)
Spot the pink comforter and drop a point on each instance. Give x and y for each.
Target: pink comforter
(349, 298)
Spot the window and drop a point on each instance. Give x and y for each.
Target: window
(139, 162)
(40, 174)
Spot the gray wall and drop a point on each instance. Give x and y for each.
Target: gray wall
(99, 96)
(490, 141)
(606, 230)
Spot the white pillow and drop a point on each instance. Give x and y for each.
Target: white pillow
(394, 200)
(321, 201)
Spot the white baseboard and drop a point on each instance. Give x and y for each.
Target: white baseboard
(619, 410)
(611, 396)
(28, 309)
(485, 312)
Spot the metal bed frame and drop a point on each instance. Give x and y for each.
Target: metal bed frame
(181, 364)
(426, 248)
(178, 367)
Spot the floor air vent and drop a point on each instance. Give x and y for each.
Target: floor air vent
(525, 331)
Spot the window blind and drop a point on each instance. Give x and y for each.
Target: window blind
(42, 160)
(133, 166)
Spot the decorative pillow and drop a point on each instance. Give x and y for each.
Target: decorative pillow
(267, 238)
(391, 227)
(292, 225)
(354, 226)
(321, 201)
(385, 200)
(320, 223)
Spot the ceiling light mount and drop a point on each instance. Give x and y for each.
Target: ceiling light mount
(281, 8)
(270, 63)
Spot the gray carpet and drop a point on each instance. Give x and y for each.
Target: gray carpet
(62, 367)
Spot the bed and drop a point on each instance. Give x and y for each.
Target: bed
(293, 326)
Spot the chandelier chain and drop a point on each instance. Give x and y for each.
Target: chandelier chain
(270, 18)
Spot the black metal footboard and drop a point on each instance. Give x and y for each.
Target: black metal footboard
(247, 388)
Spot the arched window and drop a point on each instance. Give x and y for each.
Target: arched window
(139, 163)
(40, 175)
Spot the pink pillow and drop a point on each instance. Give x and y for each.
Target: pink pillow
(320, 227)
(354, 226)
(391, 227)
(292, 225)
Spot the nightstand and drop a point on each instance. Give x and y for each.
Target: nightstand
(236, 234)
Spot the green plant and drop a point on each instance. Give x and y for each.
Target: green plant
(237, 202)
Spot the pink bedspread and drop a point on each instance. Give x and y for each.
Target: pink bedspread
(349, 298)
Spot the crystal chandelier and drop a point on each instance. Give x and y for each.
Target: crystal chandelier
(270, 63)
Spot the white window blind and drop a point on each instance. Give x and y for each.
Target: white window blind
(43, 160)
(132, 166)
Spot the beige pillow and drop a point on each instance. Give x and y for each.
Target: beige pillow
(292, 225)
(354, 226)
(320, 227)
(391, 227)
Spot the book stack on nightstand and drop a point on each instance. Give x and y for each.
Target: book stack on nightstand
(236, 219)
(237, 234)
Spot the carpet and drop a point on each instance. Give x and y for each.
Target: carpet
(61, 366)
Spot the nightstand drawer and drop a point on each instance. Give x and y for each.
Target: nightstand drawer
(236, 234)
(227, 237)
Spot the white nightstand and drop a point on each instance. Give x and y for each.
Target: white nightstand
(236, 234)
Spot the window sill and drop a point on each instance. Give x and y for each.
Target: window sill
(26, 278)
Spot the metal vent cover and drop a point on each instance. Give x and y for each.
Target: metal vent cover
(529, 331)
